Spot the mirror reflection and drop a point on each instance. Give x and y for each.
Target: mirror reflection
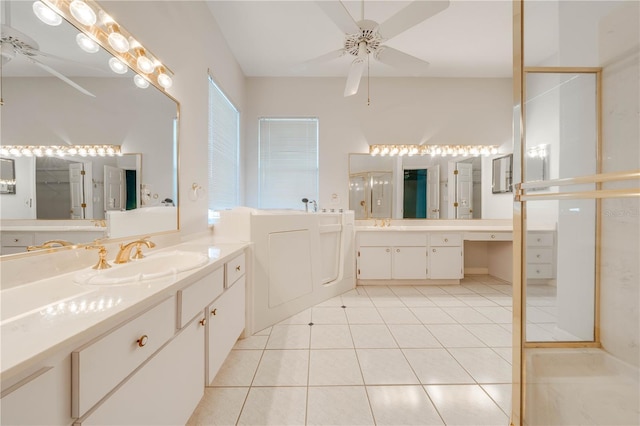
(502, 175)
(416, 187)
(62, 95)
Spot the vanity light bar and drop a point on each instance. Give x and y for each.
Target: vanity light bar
(433, 150)
(60, 151)
(113, 38)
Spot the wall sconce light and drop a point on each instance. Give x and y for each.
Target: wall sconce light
(113, 38)
(433, 150)
(60, 151)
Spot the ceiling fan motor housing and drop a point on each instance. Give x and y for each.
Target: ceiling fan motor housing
(368, 34)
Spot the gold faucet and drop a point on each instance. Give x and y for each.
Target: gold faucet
(50, 244)
(102, 260)
(124, 254)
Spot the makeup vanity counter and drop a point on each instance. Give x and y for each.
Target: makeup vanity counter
(424, 252)
(100, 348)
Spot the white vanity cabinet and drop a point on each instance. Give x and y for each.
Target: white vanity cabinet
(30, 401)
(164, 391)
(391, 255)
(540, 255)
(446, 260)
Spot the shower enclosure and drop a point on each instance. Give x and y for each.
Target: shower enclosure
(576, 354)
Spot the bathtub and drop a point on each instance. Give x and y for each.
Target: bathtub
(298, 260)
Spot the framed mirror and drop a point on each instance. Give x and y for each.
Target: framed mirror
(89, 105)
(502, 169)
(7, 176)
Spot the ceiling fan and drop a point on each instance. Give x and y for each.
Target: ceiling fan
(16, 43)
(366, 37)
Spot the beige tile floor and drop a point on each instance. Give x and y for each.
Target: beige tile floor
(384, 355)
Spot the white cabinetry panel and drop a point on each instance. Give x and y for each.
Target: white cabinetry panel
(409, 262)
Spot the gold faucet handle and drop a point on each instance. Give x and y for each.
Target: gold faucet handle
(145, 240)
(102, 257)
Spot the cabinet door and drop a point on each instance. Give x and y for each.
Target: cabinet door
(409, 262)
(225, 325)
(374, 263)
(165, 391)
(445, 263)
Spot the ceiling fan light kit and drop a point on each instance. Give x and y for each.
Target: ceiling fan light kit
(366, 37)
(97, 29)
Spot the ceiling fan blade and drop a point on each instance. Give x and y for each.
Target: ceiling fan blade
(395, 58)
(355, 74)
(410, 16)
(60, 76)
(319, 60)
(339, 15)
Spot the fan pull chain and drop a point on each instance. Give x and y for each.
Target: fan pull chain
(368, 79)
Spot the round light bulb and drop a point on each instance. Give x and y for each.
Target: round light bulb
(46, 14)
(145, 64)
(82, 12)
(164, 80)
(86, 44)
(118, 42)
(140, 81)
(117, 66)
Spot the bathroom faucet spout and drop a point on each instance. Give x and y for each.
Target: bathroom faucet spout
(124, 255)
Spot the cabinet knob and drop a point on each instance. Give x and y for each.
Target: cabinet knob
(446, 240)
(397, 250)
(203, 321)
(142, 340)
(538, 256)
(15, 240)
(214, 312)
(539, 239)
(238, 268)
(434, 250)
(493, 236)
(388, 250)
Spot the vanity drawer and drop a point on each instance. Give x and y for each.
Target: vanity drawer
(17, 239)
(445, 240)
(391, 239)
(539, 270)
(192, 299)
(488, 236)
(98, 367)
(235, 269)
(539, 255)
(540, 239)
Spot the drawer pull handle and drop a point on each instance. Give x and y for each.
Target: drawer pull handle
(446, 240)
(388, 250)
(538, 256)
(539, 239)
(238, 268)
(434, 250)
(397, 250)
(142, 340)
(214, 312)
(15, 240)
(493, 236)
(203, 321)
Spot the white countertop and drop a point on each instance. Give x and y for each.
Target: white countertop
(461, 228)
(40, 228)
(45, 316)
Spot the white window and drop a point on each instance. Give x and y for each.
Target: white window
(224, 140)
(288, 162)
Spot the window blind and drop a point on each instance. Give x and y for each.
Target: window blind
(288, 162)
(224, 135)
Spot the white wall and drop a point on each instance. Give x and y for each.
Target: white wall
(402, 110)
(184, 35)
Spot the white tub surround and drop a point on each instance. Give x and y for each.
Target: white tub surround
(300, 259)
(93, 354)
(144, 220)
(432, 252)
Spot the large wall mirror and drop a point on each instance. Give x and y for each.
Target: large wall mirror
(415, 187)
(66, 96)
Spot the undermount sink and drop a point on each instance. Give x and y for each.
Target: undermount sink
(151, 267)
